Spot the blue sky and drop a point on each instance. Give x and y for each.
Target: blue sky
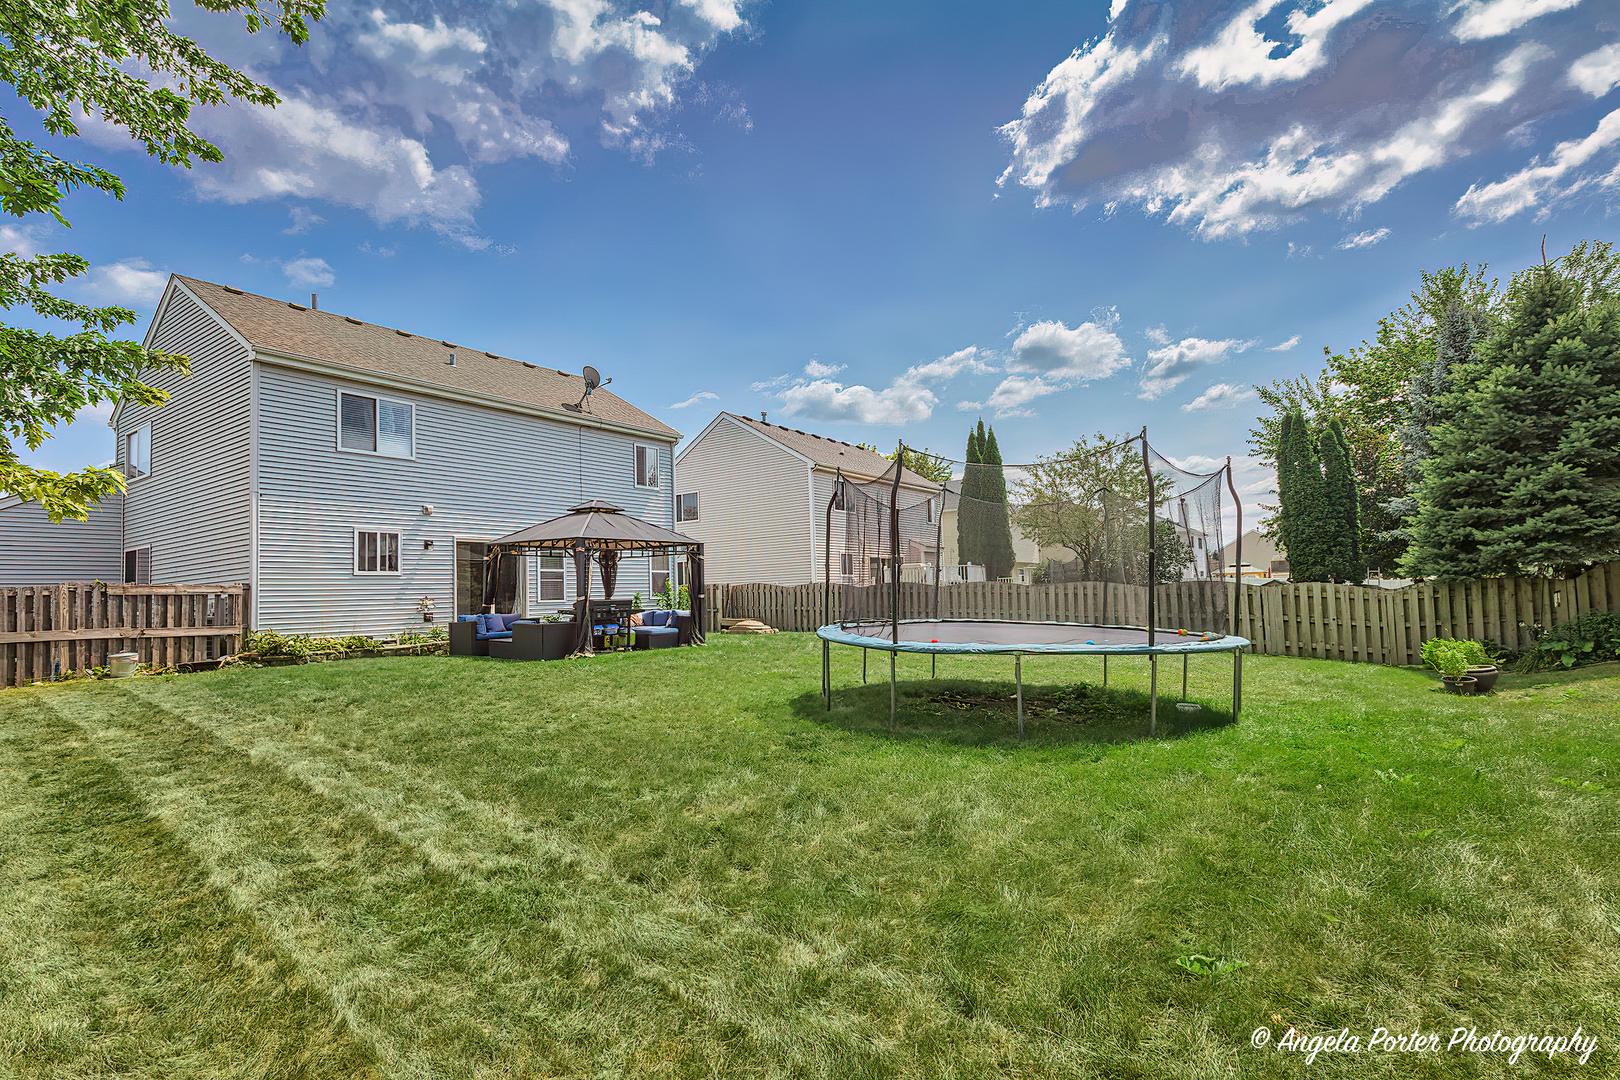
(882, 221)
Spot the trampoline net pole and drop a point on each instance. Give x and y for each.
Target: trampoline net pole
(1153, 693)
(892, 704)
(1185, 657)
(1237, 682)
(1018, 677)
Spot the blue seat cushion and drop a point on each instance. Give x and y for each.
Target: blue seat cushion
(657, 631)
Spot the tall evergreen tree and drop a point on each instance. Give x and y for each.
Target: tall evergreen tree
(1340, 506)
(968, 511)
(998, 546)
(1525, 475)
(1301, 497)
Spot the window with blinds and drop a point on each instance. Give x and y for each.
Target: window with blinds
(686, 506)
(376, 426)
(376, 552)
(551, 573)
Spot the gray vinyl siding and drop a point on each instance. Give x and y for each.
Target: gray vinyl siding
(840, 538)
(192, 509)
(33, 551)
(486, 472)
(753, 506)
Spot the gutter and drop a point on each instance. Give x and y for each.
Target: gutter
(373, 378)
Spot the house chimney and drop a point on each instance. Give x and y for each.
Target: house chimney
(314, 302)
(762, 416)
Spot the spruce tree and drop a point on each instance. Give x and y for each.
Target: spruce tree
(1301, 497)
(1525, 474)
(1340, 508)
(997, 536)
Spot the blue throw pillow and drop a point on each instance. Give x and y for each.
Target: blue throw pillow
(483, 624)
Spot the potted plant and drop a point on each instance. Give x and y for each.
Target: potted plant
(1450, 659)
(1481, 667)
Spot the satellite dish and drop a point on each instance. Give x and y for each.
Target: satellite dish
(593, 378)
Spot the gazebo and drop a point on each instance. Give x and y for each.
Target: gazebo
(600, 529)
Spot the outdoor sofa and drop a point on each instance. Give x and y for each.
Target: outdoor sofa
(470, 635)
(663, 629)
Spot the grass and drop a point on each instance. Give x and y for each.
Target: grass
(680, 864)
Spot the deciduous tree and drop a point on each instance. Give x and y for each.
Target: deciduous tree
(69, 61)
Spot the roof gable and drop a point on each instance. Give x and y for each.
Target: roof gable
(856, 461)
(299, 332)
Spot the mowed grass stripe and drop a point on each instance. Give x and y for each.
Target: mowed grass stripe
(118, 956)
(538, 950)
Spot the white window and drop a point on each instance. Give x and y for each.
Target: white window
(646, 466)
(846, 563)
(686, 506)
(138, 452)
(376, 552)
(838, 494)
(376, 426)
(553, 580)
(930, 512)
(660, 573)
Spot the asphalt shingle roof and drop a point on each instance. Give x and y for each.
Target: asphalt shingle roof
(832, 453)
(283, 327)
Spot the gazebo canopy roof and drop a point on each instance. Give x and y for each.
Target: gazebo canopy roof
(597, 526)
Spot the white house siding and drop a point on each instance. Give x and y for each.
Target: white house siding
(192, 509)
(486, 472)
(33, 551)
(754, 506)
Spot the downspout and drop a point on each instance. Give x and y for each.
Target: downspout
(810, 503)
(253, 494)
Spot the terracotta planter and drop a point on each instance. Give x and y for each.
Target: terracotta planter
(1484, 677)
(1458, 684)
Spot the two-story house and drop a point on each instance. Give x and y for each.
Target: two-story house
(352, 473)
(757, 494)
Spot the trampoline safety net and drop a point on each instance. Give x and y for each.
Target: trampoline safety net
(898, 545)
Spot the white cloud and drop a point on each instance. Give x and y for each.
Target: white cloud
(307, 271)
(130, 282)
(303, 220)
(378, 84)
(1228, 122)
(1220, 396)
(1173, 364)
(23, 240)
(1483, 19)
(909, 398)
(1048, 357)
(1596, 73)
(696, 399)
(1286, 345)
(1540, 183)
(1363, 239)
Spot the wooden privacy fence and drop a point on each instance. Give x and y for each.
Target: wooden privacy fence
(1331, 622)
(50, 629)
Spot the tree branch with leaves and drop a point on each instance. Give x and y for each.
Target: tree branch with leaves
(69, 62)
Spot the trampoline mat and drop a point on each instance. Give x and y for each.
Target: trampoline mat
(986, 636)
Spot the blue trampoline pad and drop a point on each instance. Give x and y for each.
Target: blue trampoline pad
(988, 636)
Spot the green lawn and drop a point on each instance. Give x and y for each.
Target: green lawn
(678, 864)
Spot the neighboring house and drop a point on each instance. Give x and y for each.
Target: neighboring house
(757, 495)
(1261, 558)
(352, 473)
(34, 551)
(1027, 554)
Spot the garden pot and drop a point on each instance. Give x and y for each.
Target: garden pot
(1484, 677)
(1458, 684)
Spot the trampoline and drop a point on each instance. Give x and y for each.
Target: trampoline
(1020, 639)
(1144, 533)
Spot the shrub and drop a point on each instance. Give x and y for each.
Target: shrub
(1449, 658)
(1592, 639)
(270, 643)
